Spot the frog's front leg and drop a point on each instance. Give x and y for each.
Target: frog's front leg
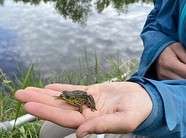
(80, 109)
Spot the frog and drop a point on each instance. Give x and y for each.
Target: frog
(78, 98)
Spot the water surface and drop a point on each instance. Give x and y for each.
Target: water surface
(53, 36)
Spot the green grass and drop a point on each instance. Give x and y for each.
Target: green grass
(88, 73)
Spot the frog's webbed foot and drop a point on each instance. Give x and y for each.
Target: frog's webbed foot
(93, 108)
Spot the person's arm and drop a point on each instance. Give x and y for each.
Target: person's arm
(167, 118)
(159, 33)
(153, 108)
(120, 107)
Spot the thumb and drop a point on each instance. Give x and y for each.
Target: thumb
(111, 123)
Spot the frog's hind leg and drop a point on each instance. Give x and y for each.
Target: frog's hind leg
(91, 103)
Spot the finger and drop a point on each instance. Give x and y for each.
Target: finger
(44, 91)
(65, 118)
(111, 123)
(179, 70)
(171, 69)
(39, 97)
(62, 87)
(169, 75)
(28, 95)
(180, 52)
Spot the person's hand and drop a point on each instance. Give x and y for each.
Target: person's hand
(121, 107)
(171, 64)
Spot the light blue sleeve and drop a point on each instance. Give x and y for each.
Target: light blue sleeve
(159, 31)
(168, 117)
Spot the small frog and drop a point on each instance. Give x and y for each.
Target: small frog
(78, 98)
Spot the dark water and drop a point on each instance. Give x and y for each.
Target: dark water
(54, 34)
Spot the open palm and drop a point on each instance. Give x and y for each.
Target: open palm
(121, 107)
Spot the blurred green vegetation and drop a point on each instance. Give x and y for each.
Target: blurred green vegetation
(88, 73)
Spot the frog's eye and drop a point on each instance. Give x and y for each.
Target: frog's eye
(67, 96)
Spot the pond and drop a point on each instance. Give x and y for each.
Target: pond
(53, 34)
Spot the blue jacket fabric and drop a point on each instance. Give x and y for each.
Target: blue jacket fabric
(165, 25)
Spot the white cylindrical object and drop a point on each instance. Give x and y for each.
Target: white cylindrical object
(23, 119)
(101, 136)
(19, 121)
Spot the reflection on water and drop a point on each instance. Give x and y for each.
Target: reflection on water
(9, 59)
(80, 10)
(40, 35)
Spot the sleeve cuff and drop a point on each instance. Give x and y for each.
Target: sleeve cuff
(156, 118)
